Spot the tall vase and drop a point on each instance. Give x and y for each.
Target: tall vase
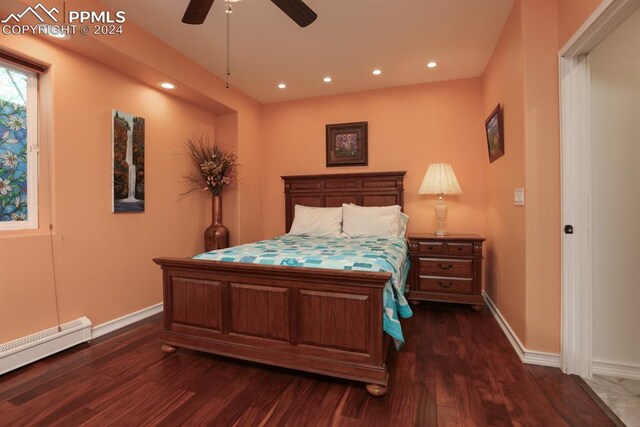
(216, 236)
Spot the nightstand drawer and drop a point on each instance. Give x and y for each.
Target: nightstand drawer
(445, 267)
(460, 248)
(434, 248)
(445, 285)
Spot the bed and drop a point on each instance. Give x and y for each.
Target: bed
(326, 321)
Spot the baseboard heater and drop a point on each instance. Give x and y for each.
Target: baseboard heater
(23, 351)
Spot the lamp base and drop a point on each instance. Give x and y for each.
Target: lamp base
(441, 217)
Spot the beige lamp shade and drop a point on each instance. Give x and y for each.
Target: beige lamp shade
(440, 179)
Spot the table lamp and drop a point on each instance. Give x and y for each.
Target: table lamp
(440, 180)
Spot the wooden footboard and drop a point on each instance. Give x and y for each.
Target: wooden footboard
(316, 320)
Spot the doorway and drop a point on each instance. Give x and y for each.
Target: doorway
(600, 91)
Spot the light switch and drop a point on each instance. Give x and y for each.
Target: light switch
(518, 197)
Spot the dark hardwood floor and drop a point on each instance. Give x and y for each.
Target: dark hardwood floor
(457, 368)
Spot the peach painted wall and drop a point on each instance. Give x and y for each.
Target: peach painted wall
(242, 204)
(505, 223)
(103, 260)
(252, 152)
(227, 137)
(147, 59)
(523, 274)
(409, 128)
(542, 175)
(571, 15)
(127, 69)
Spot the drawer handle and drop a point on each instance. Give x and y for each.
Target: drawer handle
(459, 248)
(430, 247)
(445, 267)
(445, 285)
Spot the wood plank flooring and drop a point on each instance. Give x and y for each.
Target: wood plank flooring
(457, 369)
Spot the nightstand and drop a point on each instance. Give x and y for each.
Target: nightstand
(447, 269)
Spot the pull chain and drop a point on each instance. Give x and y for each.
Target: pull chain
(228, 12)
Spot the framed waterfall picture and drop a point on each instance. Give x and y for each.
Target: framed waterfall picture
(127, 143)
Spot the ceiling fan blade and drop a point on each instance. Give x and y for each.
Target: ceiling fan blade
(297, 10)
(197, 11)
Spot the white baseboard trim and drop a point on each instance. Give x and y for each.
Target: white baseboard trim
(618, 370)
(121, 322)
(531, 357)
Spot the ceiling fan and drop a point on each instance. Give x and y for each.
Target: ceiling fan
(296, 9)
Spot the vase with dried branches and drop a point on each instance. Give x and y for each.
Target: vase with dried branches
(214, 169)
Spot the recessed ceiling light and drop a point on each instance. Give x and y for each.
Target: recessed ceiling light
(60, 36)
(327, 79)
(282, 86)
(167, 85)
(55, 32)
(376, 72)
(432, 64)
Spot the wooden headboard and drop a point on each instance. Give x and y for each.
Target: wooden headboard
(325, 191)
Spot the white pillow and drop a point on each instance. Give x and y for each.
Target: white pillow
(359, 221)
(404, 220)
(316, 222)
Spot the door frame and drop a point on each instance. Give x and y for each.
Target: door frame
(575, 141)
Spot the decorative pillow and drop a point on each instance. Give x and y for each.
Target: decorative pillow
(359, 221)
(403, 221)
(316, 222)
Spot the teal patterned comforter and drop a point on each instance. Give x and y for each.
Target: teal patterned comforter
(389, 254)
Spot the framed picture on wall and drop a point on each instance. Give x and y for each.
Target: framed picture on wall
(495, 134)
(128, 175)
(347, 144)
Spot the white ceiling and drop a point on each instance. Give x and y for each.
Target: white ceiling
(348, 40)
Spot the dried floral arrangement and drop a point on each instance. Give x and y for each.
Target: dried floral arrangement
(214, 168)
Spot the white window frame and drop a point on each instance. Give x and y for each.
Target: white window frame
(32, 152)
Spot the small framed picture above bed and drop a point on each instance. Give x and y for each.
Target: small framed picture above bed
(347, 144)
(495, 134)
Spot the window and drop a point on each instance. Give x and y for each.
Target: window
(18, 148)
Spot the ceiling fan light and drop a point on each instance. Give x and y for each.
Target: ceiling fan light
(376, 72)
(282, 86)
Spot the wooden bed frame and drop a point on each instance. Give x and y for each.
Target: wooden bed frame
(310, 319)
